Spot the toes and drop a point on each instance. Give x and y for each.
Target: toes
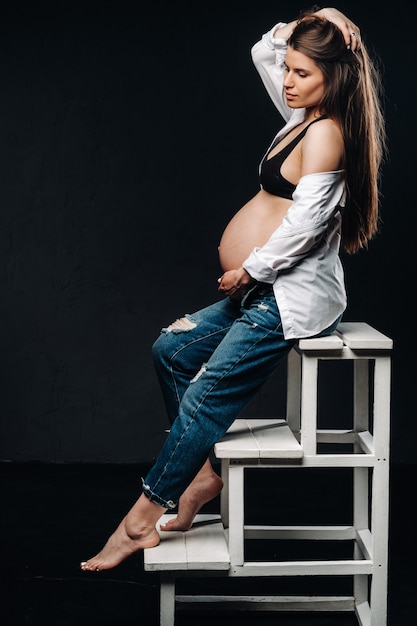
(175, 525)
(170, 526)
(89, 567)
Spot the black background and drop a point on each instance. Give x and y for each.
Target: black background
(129, 136)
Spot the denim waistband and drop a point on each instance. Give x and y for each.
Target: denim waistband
(257, 290)
(266, 286)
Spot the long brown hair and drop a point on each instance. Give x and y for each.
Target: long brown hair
(353, 98)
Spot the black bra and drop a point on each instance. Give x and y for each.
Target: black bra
(270, 176)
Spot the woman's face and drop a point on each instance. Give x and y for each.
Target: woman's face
(304, 80)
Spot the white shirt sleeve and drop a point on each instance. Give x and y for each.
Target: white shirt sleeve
(268, 56)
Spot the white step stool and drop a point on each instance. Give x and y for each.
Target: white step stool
(294, 442)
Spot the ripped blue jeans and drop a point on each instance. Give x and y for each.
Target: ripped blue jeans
(209, 370)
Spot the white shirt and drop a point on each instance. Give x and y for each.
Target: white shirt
(301, 258)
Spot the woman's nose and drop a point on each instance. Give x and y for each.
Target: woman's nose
(287, 80)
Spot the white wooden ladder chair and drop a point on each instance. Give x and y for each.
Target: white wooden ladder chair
(295, 441)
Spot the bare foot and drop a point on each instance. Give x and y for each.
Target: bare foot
(205, 486)
(135, 532)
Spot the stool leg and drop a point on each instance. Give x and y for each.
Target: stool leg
(236, 514)
(379, 584)
(361, 395)
(167, 601)
(293, 391)
(309, 375)
(361, 521)
(380, 489)
(224, 494)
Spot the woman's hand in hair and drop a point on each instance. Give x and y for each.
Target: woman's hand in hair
(350, 31)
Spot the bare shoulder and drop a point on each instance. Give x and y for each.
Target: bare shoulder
(323, 147)
(325, 130)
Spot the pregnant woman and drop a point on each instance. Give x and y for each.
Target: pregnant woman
(282, 276)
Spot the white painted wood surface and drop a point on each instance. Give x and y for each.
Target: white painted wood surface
(269, 603)
(362, 336)
(202, 547)
(331, 342)
(258, 439)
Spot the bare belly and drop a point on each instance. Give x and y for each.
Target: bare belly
(251, 226)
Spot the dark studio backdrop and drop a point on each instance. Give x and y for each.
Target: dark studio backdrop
(128, 139)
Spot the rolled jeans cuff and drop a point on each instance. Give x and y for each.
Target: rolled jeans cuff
(153, 497)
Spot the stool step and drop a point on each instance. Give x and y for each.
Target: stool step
(354, 335)
(203, 547)
(330, 342)
(258, 439)
(361, 336)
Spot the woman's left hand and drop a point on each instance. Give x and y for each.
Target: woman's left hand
(351, 31)
(235, 283)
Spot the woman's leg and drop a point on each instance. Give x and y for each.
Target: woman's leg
(185, 345)
(178, 354)
(247, 355)
(204, 487)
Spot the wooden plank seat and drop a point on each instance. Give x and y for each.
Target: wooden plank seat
(359, 336)
(203, 547)
(259, 439)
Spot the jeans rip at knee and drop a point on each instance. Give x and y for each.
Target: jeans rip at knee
(181, 325)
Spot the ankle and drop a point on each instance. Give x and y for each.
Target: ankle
(137, 530)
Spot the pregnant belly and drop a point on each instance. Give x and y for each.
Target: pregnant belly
(251, 226)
